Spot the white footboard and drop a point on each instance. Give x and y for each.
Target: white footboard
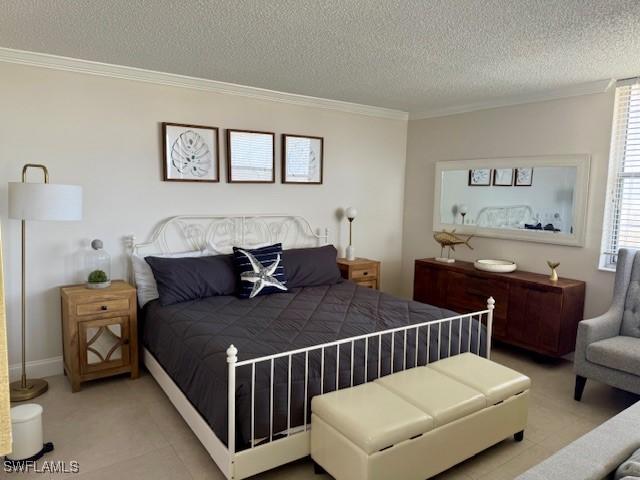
(281, 446)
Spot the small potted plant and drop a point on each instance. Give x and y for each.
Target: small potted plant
(98, 279)
(98, 266)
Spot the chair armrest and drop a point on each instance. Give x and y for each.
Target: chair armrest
(595, 329)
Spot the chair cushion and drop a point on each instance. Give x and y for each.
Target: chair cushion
(620, 353)
(495, 381)
(442, 397)
(631, 316)
(371, 416)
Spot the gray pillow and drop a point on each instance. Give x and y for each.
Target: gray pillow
(192, 278)
(311, 267)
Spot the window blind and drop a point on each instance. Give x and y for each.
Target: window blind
(252, 156)
(622, 215)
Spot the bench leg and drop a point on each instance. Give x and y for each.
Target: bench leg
(518, 437)
(317, 469)
(580, 383)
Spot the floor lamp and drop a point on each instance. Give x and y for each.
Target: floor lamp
(38, 201)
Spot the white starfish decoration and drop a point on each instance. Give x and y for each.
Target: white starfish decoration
(261, 276)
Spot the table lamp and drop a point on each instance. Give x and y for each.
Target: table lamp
(38, 201)
(351, 214)
(463, 209)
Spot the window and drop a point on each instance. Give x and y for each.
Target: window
(622, 215)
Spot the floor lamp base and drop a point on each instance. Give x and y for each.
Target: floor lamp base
(35, 387)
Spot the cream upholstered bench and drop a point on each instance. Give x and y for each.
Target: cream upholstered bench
(419, 422)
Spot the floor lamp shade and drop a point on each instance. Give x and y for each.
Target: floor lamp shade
(38, 201)
(45, 201)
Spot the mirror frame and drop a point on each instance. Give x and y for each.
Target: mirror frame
(582, 162)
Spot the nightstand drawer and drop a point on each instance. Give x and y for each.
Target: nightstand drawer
(368, 283)
(366, 272)
(119, 305)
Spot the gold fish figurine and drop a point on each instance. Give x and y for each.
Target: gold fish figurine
(451, 239)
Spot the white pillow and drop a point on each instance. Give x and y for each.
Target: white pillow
(145, 281)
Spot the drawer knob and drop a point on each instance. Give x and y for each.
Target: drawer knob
(366, 273)
(103, 307)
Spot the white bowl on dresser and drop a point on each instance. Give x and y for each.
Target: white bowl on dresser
(495, 266)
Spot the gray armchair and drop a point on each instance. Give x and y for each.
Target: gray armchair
(608, 346)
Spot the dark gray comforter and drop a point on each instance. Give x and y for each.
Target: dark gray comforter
(190, 340)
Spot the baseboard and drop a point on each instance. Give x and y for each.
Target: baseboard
(37, 368)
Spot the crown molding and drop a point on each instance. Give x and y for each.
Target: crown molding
(44, 60)
(589, 88)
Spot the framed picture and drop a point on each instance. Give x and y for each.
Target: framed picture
(190, 153)
(503, 177)
(479, 177)
(250, 156)
(302, 159)
(524, 177)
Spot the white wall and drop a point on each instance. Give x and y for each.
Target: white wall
(104, 134)
(567, 126)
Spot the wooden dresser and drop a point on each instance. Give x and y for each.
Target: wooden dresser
(531, 311)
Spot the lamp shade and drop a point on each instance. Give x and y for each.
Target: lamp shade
(45, 201)
(351, 213)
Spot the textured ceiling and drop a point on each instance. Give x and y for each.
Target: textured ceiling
(413, 55)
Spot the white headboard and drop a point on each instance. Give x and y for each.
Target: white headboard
(195, 232)
(514, 216)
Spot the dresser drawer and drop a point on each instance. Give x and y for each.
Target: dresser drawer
(367, 283)
(473, 292)
(119, 305)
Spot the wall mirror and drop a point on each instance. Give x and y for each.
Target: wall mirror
(538, 199)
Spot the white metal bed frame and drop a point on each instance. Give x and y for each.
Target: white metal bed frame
(197, 232)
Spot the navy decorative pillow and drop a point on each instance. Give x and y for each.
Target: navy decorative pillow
(260, 270)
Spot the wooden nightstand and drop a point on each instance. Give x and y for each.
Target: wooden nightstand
(99, 332)
(363, 271)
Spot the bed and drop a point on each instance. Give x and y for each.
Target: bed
(242, 372)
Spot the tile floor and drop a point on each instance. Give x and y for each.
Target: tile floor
(119, 428)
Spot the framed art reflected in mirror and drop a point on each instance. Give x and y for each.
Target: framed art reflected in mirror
(250, 156)
(479, 177)
(302, 159)
(190, 153)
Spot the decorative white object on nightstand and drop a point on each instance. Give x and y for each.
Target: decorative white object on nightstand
(97, 266)
(351, 214)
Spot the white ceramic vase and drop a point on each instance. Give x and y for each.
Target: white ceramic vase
(351, 253)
